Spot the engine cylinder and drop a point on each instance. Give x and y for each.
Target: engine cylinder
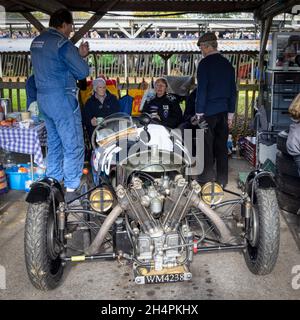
(156, 206)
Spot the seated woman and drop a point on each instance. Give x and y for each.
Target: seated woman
(293, 140)
(163, 107)
(100, 105)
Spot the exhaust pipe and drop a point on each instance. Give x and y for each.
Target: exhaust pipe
(226, 235)
(108, 222)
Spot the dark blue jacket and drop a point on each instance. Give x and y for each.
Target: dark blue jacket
(189, 111)
(168, 109)
(94, 108)
(216, 90)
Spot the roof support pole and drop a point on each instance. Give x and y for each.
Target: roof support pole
(27, 66)
(264, 34)
(142, 28)
(33, 20)
(131, 29)
(96, 65)
(92, 21)
(126, 67)
(127, 34)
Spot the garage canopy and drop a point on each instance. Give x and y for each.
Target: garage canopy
(271, 7)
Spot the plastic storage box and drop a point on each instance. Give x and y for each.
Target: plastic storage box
(17, 180)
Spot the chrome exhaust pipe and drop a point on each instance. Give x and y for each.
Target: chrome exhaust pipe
(226, 235)
(108, 222)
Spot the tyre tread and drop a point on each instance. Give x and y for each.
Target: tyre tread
(269, 233)
(35, 247)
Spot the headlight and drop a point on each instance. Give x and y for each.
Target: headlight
(101, 200)
(212, 193)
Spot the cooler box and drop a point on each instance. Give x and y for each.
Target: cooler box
(17, 180)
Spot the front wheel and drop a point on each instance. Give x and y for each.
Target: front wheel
(42, 249)
(264, 235)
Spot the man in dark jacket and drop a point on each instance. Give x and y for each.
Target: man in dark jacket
(100, 105)
(164, 107)
(215, 101)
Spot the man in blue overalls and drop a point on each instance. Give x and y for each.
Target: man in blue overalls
(57, 64)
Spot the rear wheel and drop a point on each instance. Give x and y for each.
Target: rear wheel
(42, 249)
(264, 234)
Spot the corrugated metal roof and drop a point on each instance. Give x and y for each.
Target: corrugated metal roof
(141, 45)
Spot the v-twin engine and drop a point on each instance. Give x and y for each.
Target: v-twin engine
(157, 212)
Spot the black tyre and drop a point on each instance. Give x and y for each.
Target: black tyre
(281, 141)
(43, 263)
(288, 184)
(288, 202)
(285, 164)
(264, 237)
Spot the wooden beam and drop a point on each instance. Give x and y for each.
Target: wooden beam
(274, 7)
(92, 21)
(34, 21)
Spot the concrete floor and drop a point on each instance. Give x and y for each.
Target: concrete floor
(215, 275)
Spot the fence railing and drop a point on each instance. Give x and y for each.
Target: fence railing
(14, 90)
(247, 91)
(134, 65)
(15, 65)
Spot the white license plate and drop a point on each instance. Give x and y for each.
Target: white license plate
(162, 278)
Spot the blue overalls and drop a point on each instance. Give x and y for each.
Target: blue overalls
(57, 65)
